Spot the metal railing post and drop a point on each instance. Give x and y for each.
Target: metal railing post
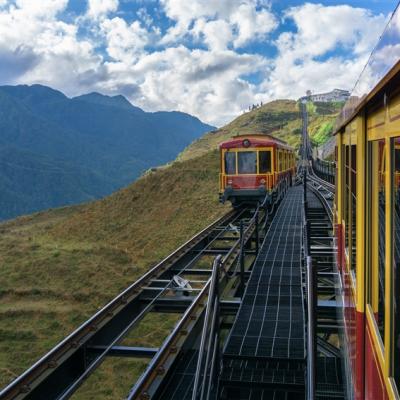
(257, 236)
(207, 344)
(311, 331)
(241, 260)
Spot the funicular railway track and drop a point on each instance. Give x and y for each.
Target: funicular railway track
(328, 321)
(163, 289)
(319, 217)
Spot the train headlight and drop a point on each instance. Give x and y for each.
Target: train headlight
(246, 143)
(262, 181)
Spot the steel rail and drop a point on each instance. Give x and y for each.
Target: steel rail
(328, 208)
(327, 185)
(147, 309)
(22, 386)
(170, 348)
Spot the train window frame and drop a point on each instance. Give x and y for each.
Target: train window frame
(279, 160)
(383, 157)
(267, 151)
(240, 153)
(234, 153)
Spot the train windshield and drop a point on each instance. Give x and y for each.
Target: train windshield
(264, 162)
(247, 162)
(230, 163)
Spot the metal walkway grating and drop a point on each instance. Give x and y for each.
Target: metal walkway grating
(264, 357)
(270, 322)
(180, 384)
(329, 378)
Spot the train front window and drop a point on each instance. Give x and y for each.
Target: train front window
(230, 163)
(247, 162)
(264, 162)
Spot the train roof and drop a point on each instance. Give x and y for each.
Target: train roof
(256, 140)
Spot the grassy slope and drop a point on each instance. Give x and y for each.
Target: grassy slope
(58, 267)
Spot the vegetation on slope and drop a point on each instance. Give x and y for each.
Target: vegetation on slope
(280, 118)
(58, 267)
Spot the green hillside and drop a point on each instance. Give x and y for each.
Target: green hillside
(280, 118)
(58, 267)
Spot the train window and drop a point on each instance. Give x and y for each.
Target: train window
(376, 227)
(264, 162)
(353, 201)
(397, 159)
(346, 195)
(230, 163)
(381, 245)
(247, 162)
(396, 272)
(279, 160)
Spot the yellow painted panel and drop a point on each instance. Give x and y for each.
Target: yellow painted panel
(394, 109)
(376, 125)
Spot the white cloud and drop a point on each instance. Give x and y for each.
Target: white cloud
(320, 28)
(216, 34)
(206, 84)
(242, 21)
(329, 49)
(124, 42)
(252, 25)
(44, 48)
(43, 8)
(100, 8)
(196, 66)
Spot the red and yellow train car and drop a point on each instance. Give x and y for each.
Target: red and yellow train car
(253, 166)
(367, 224)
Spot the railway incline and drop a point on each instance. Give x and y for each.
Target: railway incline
(255, 295)
(265, 353)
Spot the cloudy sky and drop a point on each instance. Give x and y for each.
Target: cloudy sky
(210, 58)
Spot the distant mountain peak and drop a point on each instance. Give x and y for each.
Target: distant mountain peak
(114, 101)
(37, 93)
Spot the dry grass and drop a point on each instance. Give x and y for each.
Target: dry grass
(58, 267)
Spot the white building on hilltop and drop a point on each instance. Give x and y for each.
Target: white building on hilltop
(334, 95)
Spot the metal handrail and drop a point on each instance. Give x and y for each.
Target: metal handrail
(209, 344)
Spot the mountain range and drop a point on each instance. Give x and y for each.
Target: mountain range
(56, 150)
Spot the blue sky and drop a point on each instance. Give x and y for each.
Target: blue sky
(205, 57)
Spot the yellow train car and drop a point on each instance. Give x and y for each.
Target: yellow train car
(252, 166)
(367, 224)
